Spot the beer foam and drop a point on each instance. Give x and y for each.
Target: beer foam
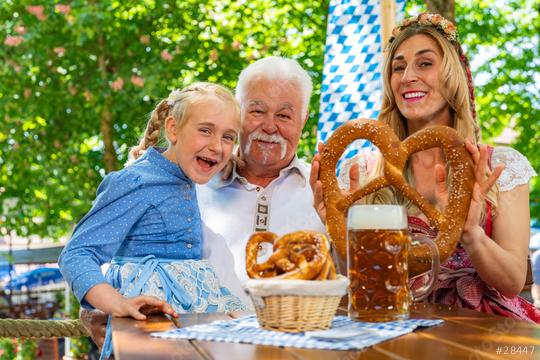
(376, 217)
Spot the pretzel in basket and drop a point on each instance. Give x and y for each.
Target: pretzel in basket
(449, 223)
(302, 255)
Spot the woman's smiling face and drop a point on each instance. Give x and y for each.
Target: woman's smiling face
(416, 82)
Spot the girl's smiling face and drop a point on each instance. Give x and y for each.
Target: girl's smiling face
(204, 144)
(416, 82)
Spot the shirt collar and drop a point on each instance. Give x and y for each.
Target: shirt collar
(294, 166)
(155, 156)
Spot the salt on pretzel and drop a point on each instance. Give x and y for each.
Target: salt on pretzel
(396, 153)
(300, 255)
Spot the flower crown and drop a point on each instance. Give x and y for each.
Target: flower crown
(443, 26)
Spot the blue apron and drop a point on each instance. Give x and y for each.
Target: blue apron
(189, 286)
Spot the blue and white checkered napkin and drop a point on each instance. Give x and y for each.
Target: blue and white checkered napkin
(344, 333)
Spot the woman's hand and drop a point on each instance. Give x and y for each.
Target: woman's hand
(484, 181)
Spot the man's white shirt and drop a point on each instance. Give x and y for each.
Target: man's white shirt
(234, 209)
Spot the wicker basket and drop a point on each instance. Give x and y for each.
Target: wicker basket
(296, 305)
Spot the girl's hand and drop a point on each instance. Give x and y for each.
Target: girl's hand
(484, 181)
(138, 305)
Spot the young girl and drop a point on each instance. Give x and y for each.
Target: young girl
(145, 219)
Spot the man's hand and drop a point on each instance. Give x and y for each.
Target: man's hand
(316, 185)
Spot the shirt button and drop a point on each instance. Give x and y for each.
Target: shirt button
(258, 188)
(189, 219)
(189, 246)
(189, 230)
(263, 198)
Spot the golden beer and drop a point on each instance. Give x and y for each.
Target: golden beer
(377, 269)
(377, 250)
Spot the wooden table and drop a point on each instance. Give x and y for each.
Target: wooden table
(465, 334)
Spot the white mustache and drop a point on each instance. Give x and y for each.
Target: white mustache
(274, 138)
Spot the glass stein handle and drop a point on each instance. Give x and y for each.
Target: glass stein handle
(423, 291)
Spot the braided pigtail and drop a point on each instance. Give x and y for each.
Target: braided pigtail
(153, 130)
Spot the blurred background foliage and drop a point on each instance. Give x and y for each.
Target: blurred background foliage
(80, 77)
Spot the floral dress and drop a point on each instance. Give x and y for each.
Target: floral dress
(458, 283)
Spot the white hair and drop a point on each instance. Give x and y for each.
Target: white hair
(276, 68)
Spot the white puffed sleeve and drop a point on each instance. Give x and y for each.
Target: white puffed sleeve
(367, 161)
(517, 171)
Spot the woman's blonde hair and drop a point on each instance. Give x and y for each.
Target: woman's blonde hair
(454, 87)
(179, 105)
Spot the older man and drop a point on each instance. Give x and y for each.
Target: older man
(268, 190)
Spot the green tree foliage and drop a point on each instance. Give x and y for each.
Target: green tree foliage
(80, 77)
(502, 37)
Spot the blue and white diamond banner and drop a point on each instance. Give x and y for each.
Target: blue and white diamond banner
(352, 83)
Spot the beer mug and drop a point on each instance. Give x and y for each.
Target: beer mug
(378, 244)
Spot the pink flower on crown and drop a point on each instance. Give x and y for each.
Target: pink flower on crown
(404, 23)
(450, 28)
(37, 11)
(13, 40)
(424, 19)
(445, 27)
(63, 9)
(436, 19)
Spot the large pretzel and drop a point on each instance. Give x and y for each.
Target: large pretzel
(395, 153)
(302, 255)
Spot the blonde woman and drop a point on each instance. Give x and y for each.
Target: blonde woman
(427, 81)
